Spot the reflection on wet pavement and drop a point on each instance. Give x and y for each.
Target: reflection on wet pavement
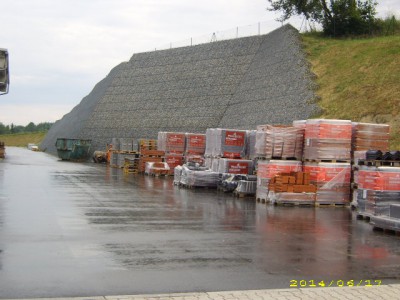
(71, 229)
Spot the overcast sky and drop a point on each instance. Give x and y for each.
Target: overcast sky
(59, 49)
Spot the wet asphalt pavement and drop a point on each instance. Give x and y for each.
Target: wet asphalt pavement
(72, 229)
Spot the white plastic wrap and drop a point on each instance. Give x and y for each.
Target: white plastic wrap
(276, 141)
(195, 178)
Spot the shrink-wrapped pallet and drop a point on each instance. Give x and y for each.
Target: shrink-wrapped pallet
(332, 181)
(173, 160)
(287, 198)
(277, 141)
(177, 174)
(210, 142)
(251, 144)
(228, 143)
(246, 187)
(327, 139)
(199, 178)
(268, 169)
(171, 142)
(369, 136)
(156, 168)
(195, 144)
(235, 166)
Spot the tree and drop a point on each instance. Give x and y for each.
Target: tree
(31, 127)
(337, 17)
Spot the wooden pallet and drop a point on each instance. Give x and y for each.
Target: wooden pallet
(296, 203)
(379, 163)
(243, 195)
(328, 160)
(365, 217)
(262, 200)
(328, 204)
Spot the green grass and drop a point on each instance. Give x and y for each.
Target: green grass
(22, 139)
(358, 79)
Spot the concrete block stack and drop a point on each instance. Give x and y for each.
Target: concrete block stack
(121, 149)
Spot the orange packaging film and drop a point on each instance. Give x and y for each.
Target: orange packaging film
(332, 181)
(268, 169)
(327, 139)
(369, 136)
(379, 178)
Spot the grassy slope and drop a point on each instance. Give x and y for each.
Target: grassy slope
(22, 139)
(359, 79)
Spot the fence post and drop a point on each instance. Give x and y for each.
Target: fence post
(237, 32)
(259, 30)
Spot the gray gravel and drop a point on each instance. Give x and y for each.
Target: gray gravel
(238, 83)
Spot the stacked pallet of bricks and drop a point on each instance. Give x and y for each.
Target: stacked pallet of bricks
(267, 169)
(279, 149)
(149, 153)
(293, 188)
(122, 148)
(378, 185)
(173, 144)
(195, 148)
(2, 149)
(327, 156)
(131, 166)
(279, 142)
(332, 181)
(366, 137)
(225, 147)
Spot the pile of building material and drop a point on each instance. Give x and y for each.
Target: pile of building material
(328, 140)
(268, 169)
(226, 143)
(235, 166)
(157, 169)
(274, 142)
(121, 149)
(192, 177)
(195, 148)
(332, 181)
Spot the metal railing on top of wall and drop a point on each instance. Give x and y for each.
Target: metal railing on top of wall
(234, 33)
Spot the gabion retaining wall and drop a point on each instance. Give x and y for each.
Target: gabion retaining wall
(236, 83)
